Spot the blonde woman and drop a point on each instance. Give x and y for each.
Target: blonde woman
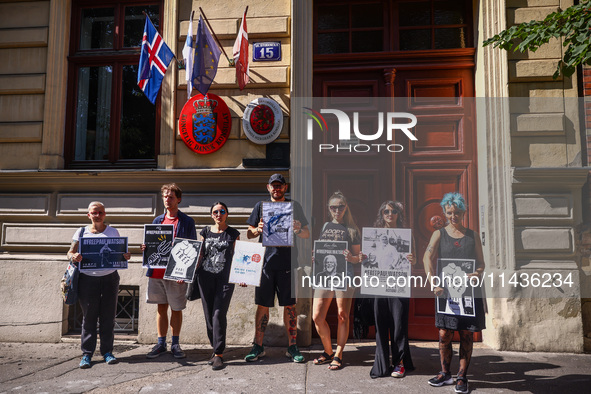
(342, 227)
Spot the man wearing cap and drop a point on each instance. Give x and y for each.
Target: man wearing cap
(277, 276)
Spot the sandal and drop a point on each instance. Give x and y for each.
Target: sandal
(324, 358)
(335, 364)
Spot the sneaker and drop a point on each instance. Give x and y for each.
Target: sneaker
(218, 363)
(256, 352)
(461, 385)
(85, 362)
(177, 352)
(399, 371)
(156, 351)
(210, 361)
(294, 353)
(110, 359)
(441, 379)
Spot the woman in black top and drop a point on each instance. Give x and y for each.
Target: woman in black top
(340, 228)
(391, 313)
(212, 277)
(459, 242)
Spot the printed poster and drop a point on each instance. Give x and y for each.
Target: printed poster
(184, 257)
(247, 263)
(458, 295)
(158, 240)
(330, 266)
(103, 253)
(277, 220)
(386, 267)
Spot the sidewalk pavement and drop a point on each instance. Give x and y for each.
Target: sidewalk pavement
(53, 368)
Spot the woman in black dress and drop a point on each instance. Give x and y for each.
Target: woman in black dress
(212, 276)
(459, 242)
(391, 313)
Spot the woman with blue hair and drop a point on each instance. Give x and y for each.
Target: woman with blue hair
(454, 241)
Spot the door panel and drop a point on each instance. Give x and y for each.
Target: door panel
(442, 160)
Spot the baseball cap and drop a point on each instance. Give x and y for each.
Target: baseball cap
(277, 178)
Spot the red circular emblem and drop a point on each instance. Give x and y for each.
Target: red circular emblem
(262, 119)
(256, 258)
(205, 123)
(437, 222)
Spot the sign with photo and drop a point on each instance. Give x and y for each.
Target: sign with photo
(158, 240)
(184, 257)
(386, 267)
(458, 295)
(329, 262)
(247, 263)
(277, 220)
(103, 253)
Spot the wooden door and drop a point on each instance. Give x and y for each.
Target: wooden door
(442, 160)
(364, 178)
(413, 60)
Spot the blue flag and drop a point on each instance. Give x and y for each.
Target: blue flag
(207, 56)
(154, 61)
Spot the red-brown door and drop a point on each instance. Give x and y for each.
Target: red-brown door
(363, 178)
(442, 160)
(428, 77)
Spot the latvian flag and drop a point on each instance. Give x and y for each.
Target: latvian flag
(240, 53)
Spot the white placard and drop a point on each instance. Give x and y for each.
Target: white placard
(386, 267)
(247, 263)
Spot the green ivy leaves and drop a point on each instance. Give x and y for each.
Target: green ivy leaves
(573, 24)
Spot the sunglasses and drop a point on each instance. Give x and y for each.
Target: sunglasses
(390, 211)
(221, 212)
(336, 208)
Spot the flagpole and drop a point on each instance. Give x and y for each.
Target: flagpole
(216, 37)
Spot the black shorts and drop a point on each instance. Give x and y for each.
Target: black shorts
(274, 281)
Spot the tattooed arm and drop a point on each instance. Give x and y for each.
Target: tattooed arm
(73, 252)
(429, 261)
(479, 257)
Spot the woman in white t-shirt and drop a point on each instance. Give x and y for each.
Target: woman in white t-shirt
(97, 291)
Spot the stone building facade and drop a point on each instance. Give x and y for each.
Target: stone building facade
(532, 166)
